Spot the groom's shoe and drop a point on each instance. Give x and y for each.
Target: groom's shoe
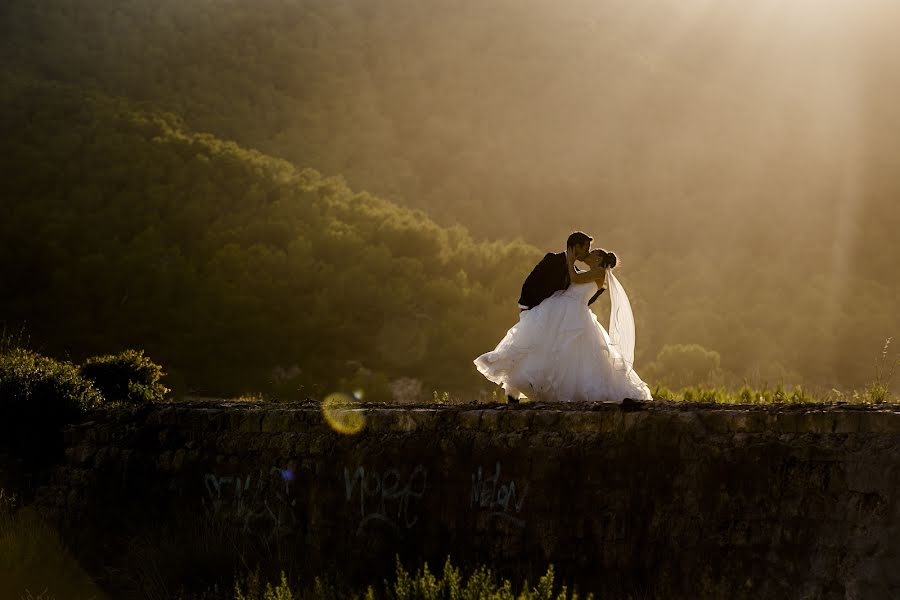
(511, 400)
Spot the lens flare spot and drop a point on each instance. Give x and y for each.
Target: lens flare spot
(343, 414)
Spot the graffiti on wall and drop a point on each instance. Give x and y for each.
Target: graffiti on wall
(389, 496)
(500, 497)
(258, 501)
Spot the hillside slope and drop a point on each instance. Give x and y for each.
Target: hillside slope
(124, 228)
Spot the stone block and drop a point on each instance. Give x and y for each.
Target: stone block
(715, 421)
(518, 420)
(612, 421)
(178, 459)
(582, 421)
(747, 421)
(300, 446)
(164, 460)
(482, 442)
(274, 421)
(512, 440)
(212, 419)
(634, 420)
(82, 455)
(101, 457)
(167, 415)
(788, 422)
(427, 420)
(545, 439)
(378, 420)
(491, 420)
(869, 477)
(403, 421)
(319, 445)
(545, 419)
(469, 419)
(154, 417)
(250, 423)
(879, 422)
(817, 421)
(846, 422)
(279, 444)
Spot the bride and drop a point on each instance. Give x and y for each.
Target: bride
(558, 351)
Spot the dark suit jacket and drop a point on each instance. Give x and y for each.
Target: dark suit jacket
(548, 276)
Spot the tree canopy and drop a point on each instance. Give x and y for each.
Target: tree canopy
(743, 167)
(126, 229)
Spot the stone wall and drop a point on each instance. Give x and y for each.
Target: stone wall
(659, 500)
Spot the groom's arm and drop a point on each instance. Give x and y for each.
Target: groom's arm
(595, 296)
(534, 289)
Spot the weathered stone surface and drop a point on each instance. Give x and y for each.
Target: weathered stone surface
(659, 500)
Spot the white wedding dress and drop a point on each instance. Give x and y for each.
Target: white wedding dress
(558, 351)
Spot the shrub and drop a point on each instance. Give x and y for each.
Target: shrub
(128, 377)
(680, 365)
(875, 393)
(38, 395)
(35, 387)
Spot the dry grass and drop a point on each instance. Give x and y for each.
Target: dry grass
(34, 563)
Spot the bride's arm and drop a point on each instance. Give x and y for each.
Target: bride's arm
(598, 275)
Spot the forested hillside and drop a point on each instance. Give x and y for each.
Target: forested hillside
(741, 157)
(494, 114)
(121, 228)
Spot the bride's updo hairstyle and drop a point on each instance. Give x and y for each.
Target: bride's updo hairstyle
(611, 260)
(607, 259)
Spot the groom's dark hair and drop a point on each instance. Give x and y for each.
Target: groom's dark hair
(578, 238)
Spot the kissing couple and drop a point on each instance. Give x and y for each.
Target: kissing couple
(559, 351)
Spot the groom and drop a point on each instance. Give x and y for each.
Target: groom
(549, 276)
(552, 273)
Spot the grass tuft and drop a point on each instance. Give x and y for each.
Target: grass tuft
(481, 584)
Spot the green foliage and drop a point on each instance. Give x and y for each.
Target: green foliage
(754, 271)
(12, 340)
(236, 270)
(252, 589)
(37, 388)
(281, 591)
(878, 391)
(38, 395)
(481, 584)
(743, 395)
(154, 232)
(128, 377)
(679, 365)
